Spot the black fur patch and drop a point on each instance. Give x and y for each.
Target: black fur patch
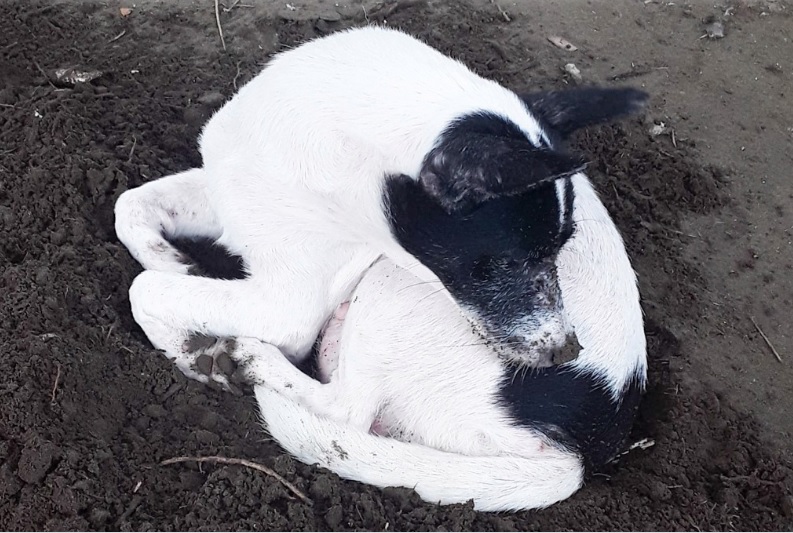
(209, 259)
(482, 156)
(572, 408)
(563, 112)
(497, 259)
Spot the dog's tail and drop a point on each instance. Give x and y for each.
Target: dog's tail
(497, 483)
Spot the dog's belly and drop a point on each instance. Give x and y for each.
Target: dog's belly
(330, 344)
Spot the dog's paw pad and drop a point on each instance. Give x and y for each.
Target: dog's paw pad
(205, 364)
(210, 359)
(225, 364)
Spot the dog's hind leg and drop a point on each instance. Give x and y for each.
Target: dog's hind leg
(169, 207)
(263, 365)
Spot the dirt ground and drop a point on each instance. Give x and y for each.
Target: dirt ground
(89, 408)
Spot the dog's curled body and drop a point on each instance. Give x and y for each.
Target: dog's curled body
(295, 177)
(368, 144)
(410, 366)
(467, 424)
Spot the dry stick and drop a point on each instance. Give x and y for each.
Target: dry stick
(237, 75)
(220, 28)
(241, 462)
(501, 10)
(767, 341)
(117, 37)
(129, 159)
(55, 386)
(35, 64)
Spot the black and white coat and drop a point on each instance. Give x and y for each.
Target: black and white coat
(368, 144)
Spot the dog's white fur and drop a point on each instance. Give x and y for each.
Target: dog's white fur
(410, 363)
(292, 181)
(294, 186)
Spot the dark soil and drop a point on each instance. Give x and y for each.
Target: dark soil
(89, 408)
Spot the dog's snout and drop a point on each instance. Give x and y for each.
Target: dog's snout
(514, 340)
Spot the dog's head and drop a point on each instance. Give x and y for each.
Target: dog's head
(490, 212)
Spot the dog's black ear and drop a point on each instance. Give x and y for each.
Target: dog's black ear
(568, 110)
(468, 168)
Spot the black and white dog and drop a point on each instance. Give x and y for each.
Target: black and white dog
(368, 144)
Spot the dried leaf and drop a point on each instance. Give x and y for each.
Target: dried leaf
(73, 76)
(125, 11)
(562, 43)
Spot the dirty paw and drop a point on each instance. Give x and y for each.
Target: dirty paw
(254, 361)
(209, 359)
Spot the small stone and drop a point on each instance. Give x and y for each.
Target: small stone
(574, 73)
(322, 27)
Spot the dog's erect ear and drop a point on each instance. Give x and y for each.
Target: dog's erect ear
(469, 168)
(568, 110)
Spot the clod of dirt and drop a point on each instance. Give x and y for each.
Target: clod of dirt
(714, 30)
(36, 460)
(658, 129)
(211, 99)
(9, 482)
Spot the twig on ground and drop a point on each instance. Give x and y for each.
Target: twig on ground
(635, 72)
(241, 462)
(235, 3)
(220, 28)
(129, 159)
(767, 341)
(117, 37)
(133, 504)
(749, 479)
(44, 74)
(55, 385)
(236, 76)
(501, 10)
